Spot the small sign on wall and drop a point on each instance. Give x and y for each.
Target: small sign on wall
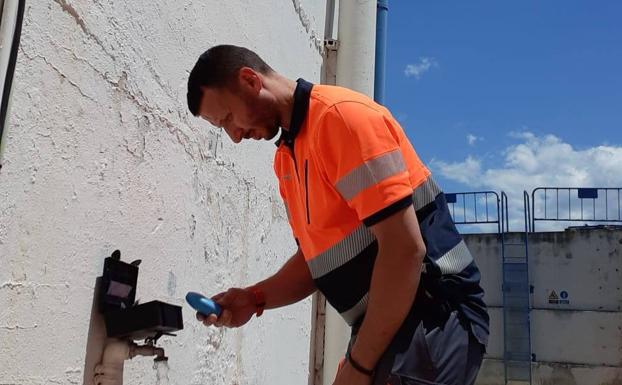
(559, 299)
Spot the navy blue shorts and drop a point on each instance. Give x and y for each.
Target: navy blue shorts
(435, 345)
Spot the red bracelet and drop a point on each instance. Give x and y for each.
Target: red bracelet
(260, 301)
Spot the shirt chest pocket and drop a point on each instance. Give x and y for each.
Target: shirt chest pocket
(312, 202)
(298, 181)
(291, 180)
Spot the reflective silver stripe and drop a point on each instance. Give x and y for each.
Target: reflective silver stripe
(353, 314)
(455, 260)
(425, 193)
(342, 252)
(370, 173)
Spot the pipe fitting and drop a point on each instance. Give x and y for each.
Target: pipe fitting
(110, 370)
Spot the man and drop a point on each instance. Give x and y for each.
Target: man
(374, 231)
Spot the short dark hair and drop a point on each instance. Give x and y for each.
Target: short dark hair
(217, 67)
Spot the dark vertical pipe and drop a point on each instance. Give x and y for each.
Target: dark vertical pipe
(381, 49)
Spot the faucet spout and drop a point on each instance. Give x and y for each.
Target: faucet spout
(147, 350)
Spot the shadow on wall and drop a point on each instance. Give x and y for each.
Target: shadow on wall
(96, 337)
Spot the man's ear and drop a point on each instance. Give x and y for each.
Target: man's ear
(250, 80)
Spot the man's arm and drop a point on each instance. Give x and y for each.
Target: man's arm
(394, 284)
(290, 284)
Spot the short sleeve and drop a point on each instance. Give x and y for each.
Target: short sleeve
(359, 151)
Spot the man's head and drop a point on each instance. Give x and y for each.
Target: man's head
(227, 88)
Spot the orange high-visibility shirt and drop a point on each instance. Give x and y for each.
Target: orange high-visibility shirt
(345, 164)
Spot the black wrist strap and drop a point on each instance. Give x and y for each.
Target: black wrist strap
(358, 366)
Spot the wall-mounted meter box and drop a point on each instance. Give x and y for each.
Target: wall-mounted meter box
(126, 319)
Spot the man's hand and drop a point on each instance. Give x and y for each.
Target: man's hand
(290, 284)
(238, 306)
(347, 375)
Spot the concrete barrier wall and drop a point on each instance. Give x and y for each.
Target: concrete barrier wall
(576, 316)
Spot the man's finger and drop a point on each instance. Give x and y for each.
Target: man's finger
(208, 320)
(212, 319)
(224, 319)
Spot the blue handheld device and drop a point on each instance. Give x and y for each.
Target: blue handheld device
(202, 304)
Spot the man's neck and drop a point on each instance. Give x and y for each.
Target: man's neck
(283, 90)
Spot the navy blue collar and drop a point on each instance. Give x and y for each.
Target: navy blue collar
(299, 112)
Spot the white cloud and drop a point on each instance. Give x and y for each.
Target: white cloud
(541, 160)
(538, 161)
(418, 69)
(463, 172)
(472, 139)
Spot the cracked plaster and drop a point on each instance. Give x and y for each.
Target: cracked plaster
(100, 153)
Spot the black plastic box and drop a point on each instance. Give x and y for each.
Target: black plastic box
(143, 321)
(123, 317)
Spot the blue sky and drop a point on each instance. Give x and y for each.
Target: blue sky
(535, 85)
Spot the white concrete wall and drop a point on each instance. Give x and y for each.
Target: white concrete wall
(101, 153)
(575, 343)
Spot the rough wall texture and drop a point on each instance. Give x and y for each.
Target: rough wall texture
(101, 154)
